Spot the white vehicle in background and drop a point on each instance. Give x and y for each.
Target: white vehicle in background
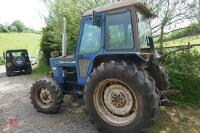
(33, 60)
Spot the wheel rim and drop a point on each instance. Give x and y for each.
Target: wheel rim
(43, 97)
(115, 102)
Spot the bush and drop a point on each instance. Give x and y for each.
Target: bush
(2, 62)
(184, 72)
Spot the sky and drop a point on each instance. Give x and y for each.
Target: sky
(28, 11)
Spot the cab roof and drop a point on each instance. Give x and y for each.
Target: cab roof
(121, 4)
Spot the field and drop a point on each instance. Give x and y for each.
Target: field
(181, 41)
(29, 41)
(184, 41)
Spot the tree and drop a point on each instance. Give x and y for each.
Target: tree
(4, 28)
(12, 28)
(19, 25)
(169, 13)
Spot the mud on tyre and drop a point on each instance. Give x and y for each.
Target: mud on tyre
(121, 98)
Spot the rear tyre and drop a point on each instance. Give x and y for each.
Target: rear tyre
(159, 74)
(121, 98)
(9, 73)
(29, 70)
(46, 96)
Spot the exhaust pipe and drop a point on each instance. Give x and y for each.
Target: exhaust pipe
(64, 39)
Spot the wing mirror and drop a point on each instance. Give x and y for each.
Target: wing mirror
(150, 41)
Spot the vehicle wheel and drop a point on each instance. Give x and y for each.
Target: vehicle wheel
(121, 98)
(9, 73)
(159, 74)
(46, 96)
(29, 70)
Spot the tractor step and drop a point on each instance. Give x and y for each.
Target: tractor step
(169, 93)
(167, 102)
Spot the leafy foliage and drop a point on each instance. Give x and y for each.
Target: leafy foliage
(16, 26)
(184, 71)
(19, 25)
(2, 61)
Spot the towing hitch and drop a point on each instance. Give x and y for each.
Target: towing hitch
(166, 102)
(169, 93)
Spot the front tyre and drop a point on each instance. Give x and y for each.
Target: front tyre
(46, 96)
(121, 98)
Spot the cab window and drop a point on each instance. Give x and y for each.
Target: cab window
(91, 37)
(119, 31)
(144, 29)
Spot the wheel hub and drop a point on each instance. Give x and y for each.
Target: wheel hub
(45, 96)
(118, 100)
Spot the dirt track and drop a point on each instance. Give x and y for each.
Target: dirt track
(15, 106)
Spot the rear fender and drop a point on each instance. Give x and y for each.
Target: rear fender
(135, 58)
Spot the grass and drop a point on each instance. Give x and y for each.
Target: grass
(184, 41)
(178, 120)
(29, 41)
(41, 70)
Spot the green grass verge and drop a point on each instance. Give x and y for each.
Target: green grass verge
(178, 120)
(29, 41)
(41, 70)
(1, 61)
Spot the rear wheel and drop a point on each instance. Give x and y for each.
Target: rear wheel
(29, 69)
(46, 96)
(159, 74)
(9, 72)
(121, 98)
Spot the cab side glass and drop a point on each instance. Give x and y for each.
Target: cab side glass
(91, 37)
(119, 33)
(144, 29)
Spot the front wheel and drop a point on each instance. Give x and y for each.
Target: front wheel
(121, 98)
(46, 96)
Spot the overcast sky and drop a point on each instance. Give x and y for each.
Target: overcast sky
(28, 11)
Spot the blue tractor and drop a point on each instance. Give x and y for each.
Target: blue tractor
(114, 68)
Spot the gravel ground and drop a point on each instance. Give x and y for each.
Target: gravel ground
(18, 116)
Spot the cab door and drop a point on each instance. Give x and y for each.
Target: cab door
(89, 45)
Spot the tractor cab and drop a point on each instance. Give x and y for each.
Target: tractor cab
(118, 31)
